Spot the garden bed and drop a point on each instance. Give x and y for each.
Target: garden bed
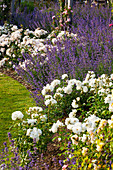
(70, 76)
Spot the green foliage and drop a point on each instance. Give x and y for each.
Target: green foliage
(5, 9)
(28, 5)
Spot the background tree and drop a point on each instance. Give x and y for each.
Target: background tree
(5, 6)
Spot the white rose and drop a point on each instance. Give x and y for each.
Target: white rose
(43, 118)
(68, 89)
(64, 76)
(78, 98)
(58, 95)
(74, 104)
(54, 128)
(85, 89)
(17, 115)
(55, 83)
(77, 128)
(111, 106)
(32, 121)
(72, 82)
(28, 132)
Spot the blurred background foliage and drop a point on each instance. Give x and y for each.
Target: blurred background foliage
(11, 8)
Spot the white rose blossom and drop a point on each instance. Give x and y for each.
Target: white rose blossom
(31, 121)
(85, 89)
(74, 104)
(73, 113)
(64, 76)
(55, 83)
(34, 133)
(111, 106)
(68, 89)
(58, 95)
(17, 115)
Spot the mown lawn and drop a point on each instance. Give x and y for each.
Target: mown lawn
(13, 97)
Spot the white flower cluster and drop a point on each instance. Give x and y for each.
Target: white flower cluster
(31, 121)
(84, 131)
(61, 35)
(77, 127)
(38, 32)
(36, 116)
(49, 88)
(11, 33)
(34, 133)
(22, 39)
(3, 61)
(36, 112)
(17, 115)
(101, 85)
(36, 109)
(55, 126)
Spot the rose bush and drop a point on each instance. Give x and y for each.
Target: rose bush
(85, 112)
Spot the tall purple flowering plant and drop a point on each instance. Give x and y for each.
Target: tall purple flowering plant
(91, 50)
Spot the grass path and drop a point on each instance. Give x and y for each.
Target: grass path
(13, 97)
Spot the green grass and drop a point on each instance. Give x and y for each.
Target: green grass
(13, 97)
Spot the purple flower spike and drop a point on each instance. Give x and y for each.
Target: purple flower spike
(5, 144)
(61, 162)
(69, 144)
(9, 135)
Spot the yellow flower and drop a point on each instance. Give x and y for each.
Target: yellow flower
(112, 117)
(101, 136)
(112, 165)
(99, 146)
(90, 165)
(84, 151)
(104, 166)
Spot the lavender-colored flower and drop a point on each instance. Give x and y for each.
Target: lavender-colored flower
(12, 142)
(5, 144)
(46, 166)
(61, 162)
(90, 50)
(9, 135)
(69, 144)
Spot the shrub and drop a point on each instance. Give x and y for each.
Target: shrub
(92, 149)
(89, 50)
(84, 98)
(87, 140)
(16, 41)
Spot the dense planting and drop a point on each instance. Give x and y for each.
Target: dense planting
(86, 120)
(71, 74)
(89, 48)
